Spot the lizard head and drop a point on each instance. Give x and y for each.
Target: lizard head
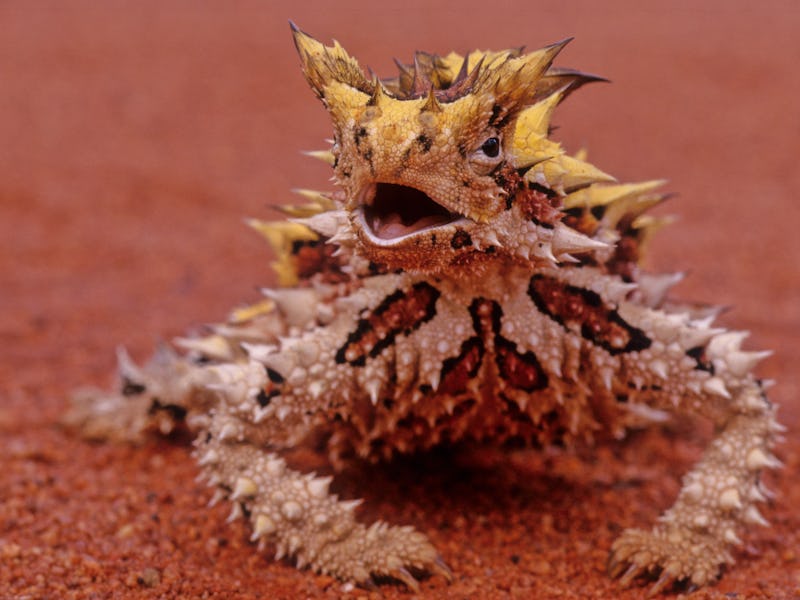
(436, 166)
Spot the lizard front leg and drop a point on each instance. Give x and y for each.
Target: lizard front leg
(692, 540)
(296, 513)
(272, 402)
(645, 358)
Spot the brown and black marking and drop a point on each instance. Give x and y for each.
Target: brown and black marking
(698, 354)
(538, 206)
(536, 202)
(583, 311)
(359, 135)
(625, 259)
(364, 150)
(399, 313)
(460, 239)
(509, 179)
(517, 369)
(457, 371)
(316, 258)
(628, 249)
(500, 117)
(425, 143)
(129, 387)
(272, 389)
(584, 220)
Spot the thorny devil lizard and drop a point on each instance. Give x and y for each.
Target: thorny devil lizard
(468, 282)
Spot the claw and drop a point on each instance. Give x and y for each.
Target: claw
(630, 574)
(614, 567)
(664, 580)
(617, 564)
(440, 567)
(403, 575)
(369, 584)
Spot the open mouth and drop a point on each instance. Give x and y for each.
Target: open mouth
(392, 211)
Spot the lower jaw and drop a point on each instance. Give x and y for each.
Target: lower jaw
(411, 238)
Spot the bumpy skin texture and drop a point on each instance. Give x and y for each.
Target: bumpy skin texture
(468, 282)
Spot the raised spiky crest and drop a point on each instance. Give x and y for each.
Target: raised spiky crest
(515, 79)
(323, 65)
(432, 69)
(427, 71)
(464, 82)
(513, 82)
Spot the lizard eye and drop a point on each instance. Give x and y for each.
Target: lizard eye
(491, 147)
(487, 156)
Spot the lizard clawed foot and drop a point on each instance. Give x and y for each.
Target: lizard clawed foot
(379, 552)
(673, 556)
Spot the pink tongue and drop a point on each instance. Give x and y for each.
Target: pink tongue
(392, 225)
(390, 231)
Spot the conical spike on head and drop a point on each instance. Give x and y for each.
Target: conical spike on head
(536, 118)
(566, 239)
(648, 225)
(526, 165)
(463, 71)
(421, 83)
(380, 95)
(431, 103)
(405, 77)
(324, 65)
(436, 70)
(513, 82)
(463, 85)
(565, 80)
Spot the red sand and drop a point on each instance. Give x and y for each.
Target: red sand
(135, 136)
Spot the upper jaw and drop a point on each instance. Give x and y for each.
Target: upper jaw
(390, 213)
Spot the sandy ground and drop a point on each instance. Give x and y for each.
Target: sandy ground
(135, 136)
